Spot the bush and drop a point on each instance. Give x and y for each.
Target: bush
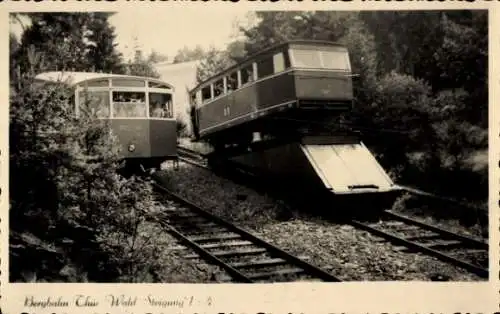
(64, 185)
(448, 159)
(426, 140)
(182, 128)
(396, 117)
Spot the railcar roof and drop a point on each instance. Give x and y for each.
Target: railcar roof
(271, 48)
(74, 78)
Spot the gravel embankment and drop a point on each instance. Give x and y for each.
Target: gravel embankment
(356, 255)
(351, 254)
(169, 265)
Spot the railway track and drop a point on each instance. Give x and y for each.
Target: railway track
(450, 247)
(192, 157)
(245, 257)
(417, 236)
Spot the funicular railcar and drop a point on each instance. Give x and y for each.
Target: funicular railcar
(139, 109)
(289, 92)
(294, 81)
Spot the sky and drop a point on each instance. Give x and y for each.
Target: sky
(169, 30)
(166, 30)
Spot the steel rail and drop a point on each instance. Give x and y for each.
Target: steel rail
(482, 272)
(447, 233)
(191, 151)
(204, 253)
(308, 268)
(197, 164)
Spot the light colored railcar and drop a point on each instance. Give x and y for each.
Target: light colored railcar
(140, 111)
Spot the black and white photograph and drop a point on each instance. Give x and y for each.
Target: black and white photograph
(252, 146)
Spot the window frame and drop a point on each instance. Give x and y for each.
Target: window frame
(230, 75)
(346, 60)
(209, 87)
(131, 90)
(82, 86)
(319, 52)
(77, 97)
(266, 58)
(284, 59)
(241, 70)
(214, 82)
(171, 103)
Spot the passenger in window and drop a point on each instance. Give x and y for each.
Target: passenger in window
(250, 75)
(220, 90)
(158, 111)
(120, 111)
(231, 83)
(135, 98)
(140, 111)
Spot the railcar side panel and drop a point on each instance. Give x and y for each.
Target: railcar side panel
(244, 102)
(132, 132)
(276, 90)
(212, 113)
(163, 138)
(228, 110)
(322, 85)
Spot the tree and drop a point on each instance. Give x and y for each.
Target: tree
(142, 66)
(59, 37)
(103, 55)
(405, 40)
(187, 54)
(236, 50)
(13, 71)
(214, 62)
(69, 42)
(462, 61)
(65, 186)
(156, 57)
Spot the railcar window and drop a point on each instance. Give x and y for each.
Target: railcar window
(265, 67)
(279, 62)
(94, 103)
(157, 85)
(205, 93)
(287, 59)
(232, 81)
(218, 87)
(306, 58)
(160, 105)
(247, 74)
(129, 104)
(98, 83)
(338, 60)
(128, 83)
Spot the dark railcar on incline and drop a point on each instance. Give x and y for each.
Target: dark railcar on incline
(276, 90)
